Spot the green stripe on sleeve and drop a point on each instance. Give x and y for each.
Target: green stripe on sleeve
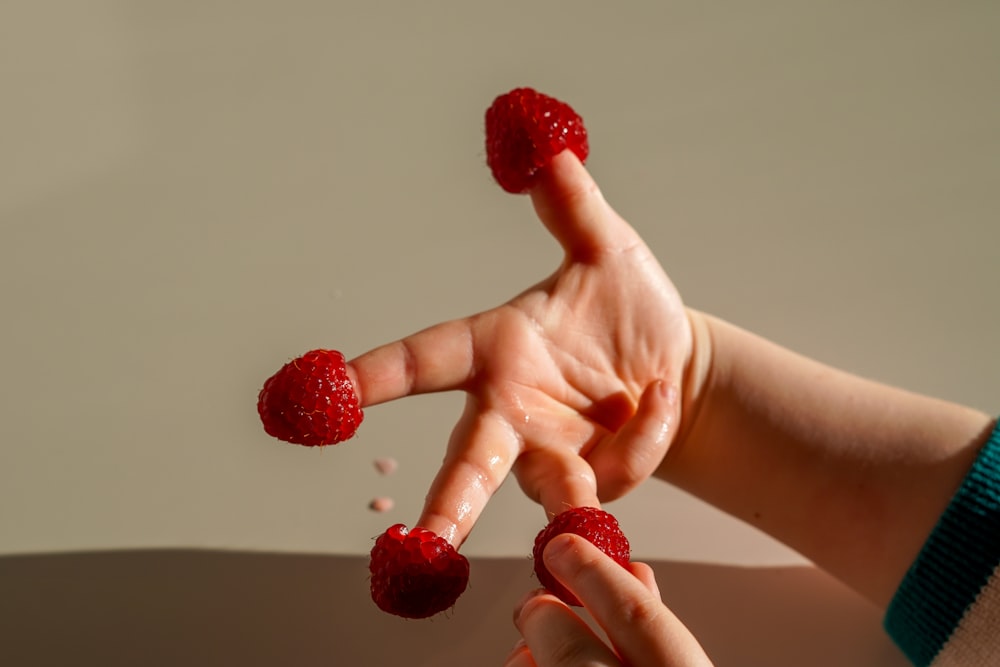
(953, 565)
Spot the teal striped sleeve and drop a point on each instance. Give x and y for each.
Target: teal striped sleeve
(954, 564)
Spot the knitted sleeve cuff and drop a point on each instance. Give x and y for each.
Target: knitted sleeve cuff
(953, 566)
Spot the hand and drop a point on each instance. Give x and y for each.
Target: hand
(624, 602)
(559, 377)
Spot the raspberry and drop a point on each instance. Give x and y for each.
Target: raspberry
(416, 573)
(597, 526)
(524, 131)
(311, 401)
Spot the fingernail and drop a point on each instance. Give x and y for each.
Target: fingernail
(556, 551)
(527, 596)
(668, 391)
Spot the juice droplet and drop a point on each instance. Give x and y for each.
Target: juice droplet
(386, 465)
(381, 504)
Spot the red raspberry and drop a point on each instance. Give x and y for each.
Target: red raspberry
(524, 131)
(415, 573)
(311, 401)
(597, 526)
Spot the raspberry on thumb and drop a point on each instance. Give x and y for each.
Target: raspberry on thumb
(525, 129)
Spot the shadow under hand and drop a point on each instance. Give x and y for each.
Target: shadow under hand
(199, 608)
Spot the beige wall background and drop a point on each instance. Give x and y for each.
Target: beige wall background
(193, 193)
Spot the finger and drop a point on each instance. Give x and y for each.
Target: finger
(520, 656)
(624, 459)
(642, 630)
(557, 478)
(557, 637)
(573, 209)
(439, 358)
(644, 573)
(481, 451)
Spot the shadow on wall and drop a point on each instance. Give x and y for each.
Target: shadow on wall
(198, 608)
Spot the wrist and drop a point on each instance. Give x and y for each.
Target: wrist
(694, 387)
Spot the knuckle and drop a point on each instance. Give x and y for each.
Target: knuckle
(645, 612)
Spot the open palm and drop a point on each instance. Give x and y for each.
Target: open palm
(573, 384)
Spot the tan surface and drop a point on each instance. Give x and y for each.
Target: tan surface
(192, 193)
(260, 610)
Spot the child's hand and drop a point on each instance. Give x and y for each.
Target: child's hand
(625, 603)
(558, 378)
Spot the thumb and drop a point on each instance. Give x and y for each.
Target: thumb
(568, 201)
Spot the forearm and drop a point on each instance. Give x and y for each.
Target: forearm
(851, 473)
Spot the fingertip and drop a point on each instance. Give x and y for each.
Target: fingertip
(354, 377)
(645, 574)
(442, 526)
(668, 392)
(566, 555)
(519, 655)
(537, 602)
(559, 547)
(565, 184)
(565, 173)
(659, 399)
(530, 595)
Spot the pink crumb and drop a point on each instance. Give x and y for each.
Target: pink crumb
(381, 504)
(386, 465)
